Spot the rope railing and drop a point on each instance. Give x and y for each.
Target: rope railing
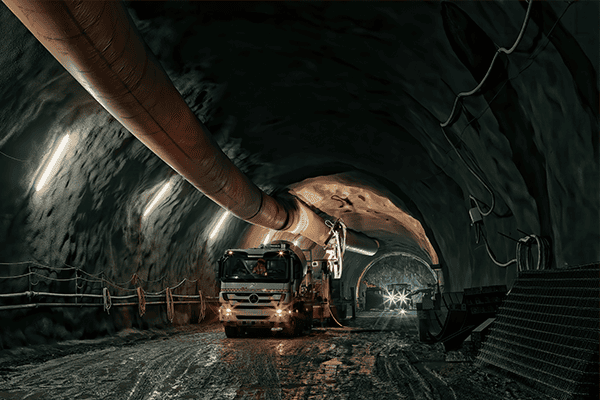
(81, 279)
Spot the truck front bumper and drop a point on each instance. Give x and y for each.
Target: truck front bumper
(258, 318)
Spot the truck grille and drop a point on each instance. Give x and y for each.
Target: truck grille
(244, 298)
(252, 317)
(546, 333)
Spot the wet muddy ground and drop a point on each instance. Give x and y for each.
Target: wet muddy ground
(378, 356)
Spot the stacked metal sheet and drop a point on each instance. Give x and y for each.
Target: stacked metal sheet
(547, 333)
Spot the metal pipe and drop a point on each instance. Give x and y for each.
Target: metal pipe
(98, 44)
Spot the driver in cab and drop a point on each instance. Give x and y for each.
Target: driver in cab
(260, 268)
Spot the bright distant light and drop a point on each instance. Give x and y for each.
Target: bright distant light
(389, 298)
(401, 297)
(53, 161)
(157, 198)
(219, 224)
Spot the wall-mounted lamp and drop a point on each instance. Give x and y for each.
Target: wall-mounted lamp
(157, 198)
(53, 161)
(268, 237)
(217, 227)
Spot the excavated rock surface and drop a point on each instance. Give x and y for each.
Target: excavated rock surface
(294, 91)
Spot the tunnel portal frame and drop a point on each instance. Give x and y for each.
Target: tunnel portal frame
(388, 255)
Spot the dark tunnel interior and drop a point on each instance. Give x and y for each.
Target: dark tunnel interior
(339, 105)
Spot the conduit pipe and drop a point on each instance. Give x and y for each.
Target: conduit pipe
(98, 44)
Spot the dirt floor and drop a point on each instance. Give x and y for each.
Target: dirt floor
(379, 357)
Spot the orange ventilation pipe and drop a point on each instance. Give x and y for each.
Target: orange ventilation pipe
(98, 44)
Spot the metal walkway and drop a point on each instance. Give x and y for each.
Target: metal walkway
(547, 331)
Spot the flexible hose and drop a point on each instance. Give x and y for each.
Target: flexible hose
(333, 316)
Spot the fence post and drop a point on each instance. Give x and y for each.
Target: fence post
(76, 285)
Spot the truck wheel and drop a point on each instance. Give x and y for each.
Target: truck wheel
(291, 329)
(309, 324)
(299, 328)
(231, 332)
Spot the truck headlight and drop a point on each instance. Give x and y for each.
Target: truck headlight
(279, 312)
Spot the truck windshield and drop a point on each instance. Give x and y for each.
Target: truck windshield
(270, 267)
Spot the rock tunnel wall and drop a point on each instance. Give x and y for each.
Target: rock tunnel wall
(294, 91)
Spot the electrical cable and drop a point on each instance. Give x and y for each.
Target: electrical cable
(532, 58)
(119, 287)
(153, 281)
(489, 251)
(475, 90)
(543, 247)
(522, 257)
(16, 276)
(491, 208)
(500, 50)
(34, 263)
(15, 263)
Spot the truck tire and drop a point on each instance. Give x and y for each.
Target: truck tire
(232, 332)
(291, 329)
(309, 323)
(300, 328)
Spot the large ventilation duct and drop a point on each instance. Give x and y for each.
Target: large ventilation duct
(98, 44)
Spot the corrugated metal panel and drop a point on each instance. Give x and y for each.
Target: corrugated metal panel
(547, 333)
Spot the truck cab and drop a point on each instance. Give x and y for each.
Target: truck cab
(265, 288)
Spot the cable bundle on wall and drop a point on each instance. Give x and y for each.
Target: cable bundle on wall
(543, 253)
(523, 251)
(525, 244)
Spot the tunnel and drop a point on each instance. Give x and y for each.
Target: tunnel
(448, 149)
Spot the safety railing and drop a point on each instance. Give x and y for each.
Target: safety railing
(85, 281)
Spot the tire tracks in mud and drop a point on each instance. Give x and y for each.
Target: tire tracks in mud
(333, 364)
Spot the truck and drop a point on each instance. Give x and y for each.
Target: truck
(272, 288)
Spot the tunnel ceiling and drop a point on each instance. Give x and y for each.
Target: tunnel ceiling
(307, 94)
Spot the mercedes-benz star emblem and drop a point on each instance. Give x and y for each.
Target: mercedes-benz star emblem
(253, 298)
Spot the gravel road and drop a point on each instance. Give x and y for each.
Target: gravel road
(380, 357)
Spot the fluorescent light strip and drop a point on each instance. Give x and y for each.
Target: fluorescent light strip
(157, 198)
(53, 161)
(219, 224)
(268, 237)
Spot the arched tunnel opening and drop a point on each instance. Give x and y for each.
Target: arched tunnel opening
(413, 275)
(429, 171)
